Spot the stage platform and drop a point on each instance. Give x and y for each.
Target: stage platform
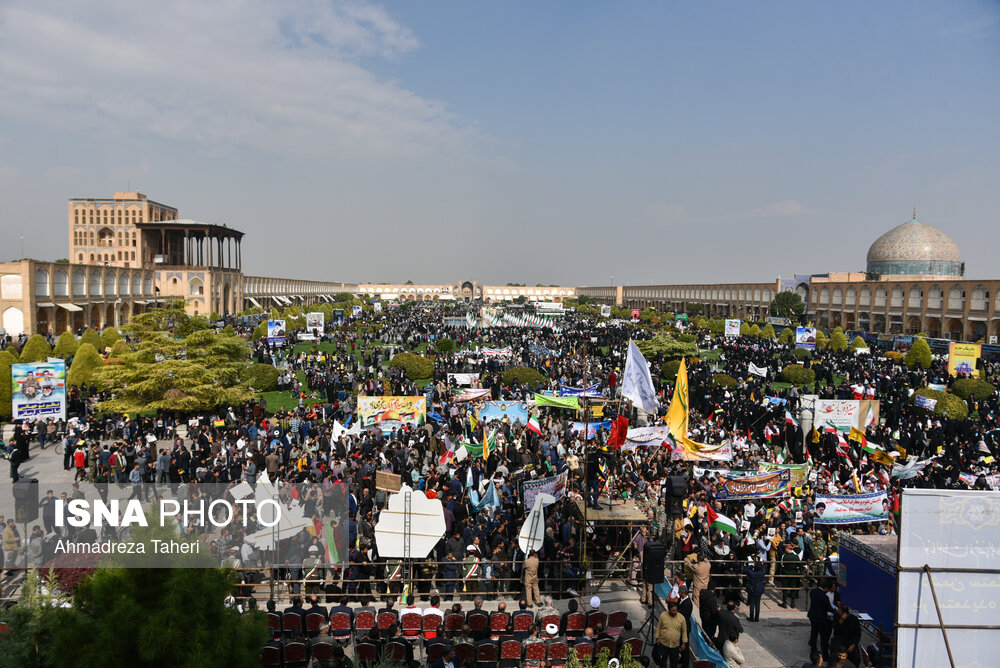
(623, 512)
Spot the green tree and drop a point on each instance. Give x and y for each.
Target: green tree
(213, 315)
(744, 329)
(858, 343)
(259, 331)
(36, 349)
(767, 332)
(821, 340)
(445, 346)
(91, 337)
(584, 300)
(838, 342)
(6, 359)
(414, 366)
(66, 346)
(787, 303)
(202, 371)
(786, 335)
(109, 337)
(755, 331)
(86, 361)
(666, 347)
(343, 297)
(919, 355)
(522, 375)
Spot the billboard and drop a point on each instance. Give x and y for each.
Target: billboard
(636, 313)
(514, 411)
(852, 509)
(732, 328)
(276, 332)
(338, 316)
(805, 337)
(605, 311)
(962, 358)
(356, 310)
(761, 486)
(463, 378)
(956, 535)
(38, 390)
(390, 413)
(315, 321)
(842, 414)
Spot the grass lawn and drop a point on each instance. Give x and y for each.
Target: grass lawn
(278, 400)
(710, 355)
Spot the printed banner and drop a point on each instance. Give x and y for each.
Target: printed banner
(842, 414)
(514, 411)
(650, 437)
(555, 486)
(276, 332)
(719, 453)
(338, 317)
(732, 328)
(778, 401)
(315, 321)
(38, 389)
(872, 507)
(390, 413)
(571, 403)
(805, 337)
(800, 472)
(970, 479)
(591, 427)
(762, 486)
(605, 311)
(757, 370)
(465, 396)
(356, 310)
(497, 352)
(463, 378)
(589, 391)
(962, 358)
(924, 402)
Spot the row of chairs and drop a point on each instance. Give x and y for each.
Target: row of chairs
(295, 654)
(415, 625)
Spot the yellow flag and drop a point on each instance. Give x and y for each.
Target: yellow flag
(677, 414)
(882, 458)
(473, 421)
(815, 438)
(902, 452)
(486, 445)
(856, 435)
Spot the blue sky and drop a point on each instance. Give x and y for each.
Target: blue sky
(557, 142)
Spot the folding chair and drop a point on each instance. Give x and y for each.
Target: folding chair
(366, 653)
(323, 653)
(453, 622)
(487, 655)
(607, 643)
(432, 626)
(556, 653)
(413, 624)
(499, 622)
(314, 623)
(435, 650)
(270, 655)
(340, 626)
(291, 623)
(616, 620)
(584, 650)
(364, 621)
(534, 653)
(296, 655)
(595, 617)
(522, 622)
(576, 623)
(395, 649)
(387, 620)
(637, 645)
(465, 652)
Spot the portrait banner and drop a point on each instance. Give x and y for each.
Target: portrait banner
(556, 486)
(805, 337)
(732, 328)
(762, 486)
(463, 378)
(38, 390)
(963, 358)
(799, 472)
(513, 411)
(276, 332)
(853, 509)
(315, 321)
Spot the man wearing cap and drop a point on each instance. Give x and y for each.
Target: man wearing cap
(531, 592)
(471, 570)
(671, 637)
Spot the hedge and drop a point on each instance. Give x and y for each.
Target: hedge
(896, 356)
(723, 380)
(786, 335)
(87, 359)
(6, 359)
(767, 332)
(801, 353)
(91, 337)
(948, 405)
(523, 375)
(36, 349)
(446, 346)
(798, 375)
(972, 387)
(262, 377)
(755, 331)
(66, 346)
(414, 366)
(919, 354)
(668, 372)
(838, 342)
(109, 337)
(857, 343)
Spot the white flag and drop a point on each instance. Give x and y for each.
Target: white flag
(757, 371)
(637, 383)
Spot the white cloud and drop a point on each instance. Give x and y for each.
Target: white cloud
(788, 207)
(283, 77)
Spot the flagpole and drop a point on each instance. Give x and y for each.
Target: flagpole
(586, 458)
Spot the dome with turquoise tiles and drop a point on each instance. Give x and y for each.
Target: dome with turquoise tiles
(915, 248)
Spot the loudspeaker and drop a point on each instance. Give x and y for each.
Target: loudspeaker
(654, 556)
(26, 500)
(677, 486)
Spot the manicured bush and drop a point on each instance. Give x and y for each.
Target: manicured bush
(36, 349)
(260, 331)
(6, 359)
(744, 329)
(723, 380)
(919, 355)
(767, 332)
(93, 338)
(414, 366)
(786, 335)
(858, 343)
(798, 375)
(86, 361)
(262, 377)
(668, 372)
(972, 387)
(838, 342)
(821, 341)
(109, 337)
(66, 346)
(948, 405)
(801, 353)
(445, 346)
(523, 375)
(755, 331)
(896, 356)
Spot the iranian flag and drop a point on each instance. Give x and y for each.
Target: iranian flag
(720, 522)
(790, 420)
(532, 425)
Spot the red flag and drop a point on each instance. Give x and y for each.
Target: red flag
(618, 431)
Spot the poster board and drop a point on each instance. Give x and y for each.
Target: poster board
(276, 332)
(732, 328)
(805, 337)
(390, 413)
(38, 390)
(963, 357)
(387, 482)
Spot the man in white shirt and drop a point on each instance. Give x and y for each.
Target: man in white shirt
(435, 611)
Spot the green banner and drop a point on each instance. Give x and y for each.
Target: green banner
(557, 402)
(800, 472)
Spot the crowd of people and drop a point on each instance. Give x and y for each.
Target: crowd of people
(779, 543)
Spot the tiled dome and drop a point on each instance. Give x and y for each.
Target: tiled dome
(915, 248)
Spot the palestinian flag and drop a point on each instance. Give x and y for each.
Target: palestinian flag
(791, 420)
(532, 425)
(720, 522)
